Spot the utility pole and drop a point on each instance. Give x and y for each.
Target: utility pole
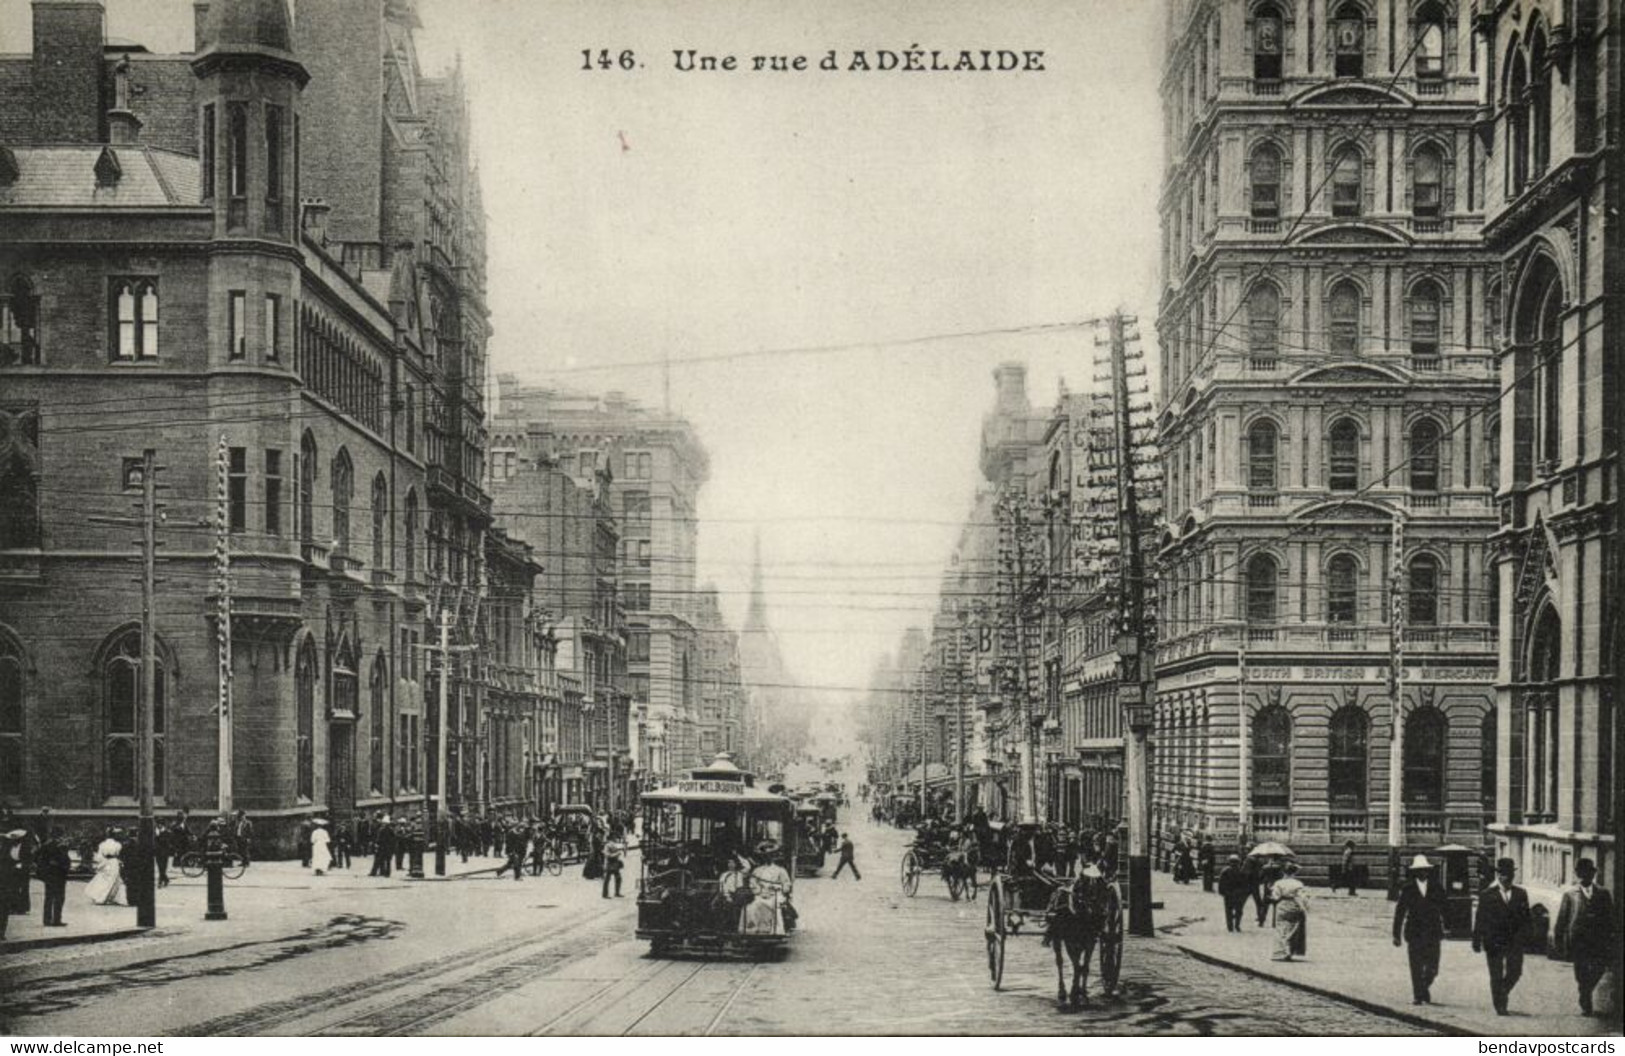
(919, 695)
(1396, 675)
(1135, 679)
(959, 712)
(222, 556)
(1243, 788)
(434, 807)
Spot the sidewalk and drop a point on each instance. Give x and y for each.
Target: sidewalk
(180, 906)
(1352, 956)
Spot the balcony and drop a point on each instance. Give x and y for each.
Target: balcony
(1264, 226)
(1260, 634)
(1269, 86)
(1262, 500)
(1346, 823)
(1271, 822)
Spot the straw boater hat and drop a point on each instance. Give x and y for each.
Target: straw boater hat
(1421, 862)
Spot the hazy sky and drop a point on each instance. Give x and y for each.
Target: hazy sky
(635, 215)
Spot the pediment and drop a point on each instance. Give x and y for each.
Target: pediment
(1348, 374)
(1344, 232)
(1351, 95)
(1346, 509)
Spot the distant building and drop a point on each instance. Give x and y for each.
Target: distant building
(779, 721)
(721, 723)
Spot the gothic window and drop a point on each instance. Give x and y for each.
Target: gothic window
(1430, 22)
(1267, 27)
(1425, 311)
(343, 491)
(1347, 189)
(1348, 41)
(1540, 105)
(1261, 456)
(1427, 183)
(1261, 589)
(1343, 455)
(19, 324)
(236, 150)
(11, 719)
(19, 477)
(1342, 593)
(1343, 319)
(304, 682)
(1424, 761)
(1488, 738)
(208, 152)
(121, 693)
(135, 318)
(1425, 456)
(1540, 715)
(1538, 362)
(1272, 759)
(411, 535)
(307, 489)
(1422, 593)
(380, 521)
(274, 135)
(1517, 85)
(1266, 182)
(1346, 763)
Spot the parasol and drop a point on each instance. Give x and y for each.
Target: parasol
(1271, 849)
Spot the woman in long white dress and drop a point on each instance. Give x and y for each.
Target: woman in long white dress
(321, 847)
(1291, 915)
(770, 883)
(106, 888)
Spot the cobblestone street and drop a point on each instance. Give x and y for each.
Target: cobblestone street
(549, 956)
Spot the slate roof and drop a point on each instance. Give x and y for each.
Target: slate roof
(66, 176)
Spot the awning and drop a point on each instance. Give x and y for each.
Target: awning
(933, 772)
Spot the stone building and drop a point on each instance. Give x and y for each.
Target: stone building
(655, 467)
(1327, 333)
(222, 301)
(1549, 128)
(721, 722)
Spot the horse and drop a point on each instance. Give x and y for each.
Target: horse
(1080, 915)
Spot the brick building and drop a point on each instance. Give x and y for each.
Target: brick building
(171, 276)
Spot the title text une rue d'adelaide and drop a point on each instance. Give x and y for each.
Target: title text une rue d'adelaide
(912, 59)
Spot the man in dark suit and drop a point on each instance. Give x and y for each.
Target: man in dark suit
(53, 873)
(1419, 924)
(1585, 930)
(1499, 926)
(1234, 887)
(383, 847)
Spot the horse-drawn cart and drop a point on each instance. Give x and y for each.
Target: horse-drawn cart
(1074, 915)
(925, 856)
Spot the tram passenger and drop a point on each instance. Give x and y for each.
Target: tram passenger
(770, 886)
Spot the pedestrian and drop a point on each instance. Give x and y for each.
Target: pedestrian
(614, 851)
(243, 833)
(1207, 856)
(1184, 863)
(517, 840)
(1233, 888)
(1499, 927)
(53, 865)
(342, 842)
(1419, 924)
(1268, 873)
(402, 842)
(319, 849)
(1347, 867)
(1291, 915)
(106, 888)
(1585, 931)
(847, 861)
(11, 867)
(383, 846)
(302, 841)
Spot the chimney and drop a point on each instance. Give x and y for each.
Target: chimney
(200, 26)
(315, 220)
(1011, 382)
(67, 97)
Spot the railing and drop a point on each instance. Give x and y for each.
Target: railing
(1340, 634)
(1266, 87)
(1424, 502)
(1431, 225)
(1347, 822)
(1262, 226)
(1259, 501)
(1261, 634)
(1262, 363)
(1430, 86)
(1271, 822)
(1426, 364)
(1424, 824)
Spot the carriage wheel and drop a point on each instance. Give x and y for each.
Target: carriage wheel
(994, 932)
(552, 864)
(956, 886)
(911, 873)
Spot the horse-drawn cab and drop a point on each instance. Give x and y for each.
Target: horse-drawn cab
(1074, 916)
(719, 857)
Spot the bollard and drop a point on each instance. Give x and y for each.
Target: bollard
(214, 865)
(415, 858)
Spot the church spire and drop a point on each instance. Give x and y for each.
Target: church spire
(756, 615)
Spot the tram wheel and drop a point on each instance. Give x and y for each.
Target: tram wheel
(994, 933)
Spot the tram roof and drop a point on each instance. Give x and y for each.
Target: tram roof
(705, 790)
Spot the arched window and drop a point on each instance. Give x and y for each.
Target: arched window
(1489, 761)
(304, 683)
(378, 721)
(1424, 762)
(1343, 455)
(411, 535)
(1343, 319)
(1272, 759)
(1540, 104)
(1267, 37)
(1424, 309)
(1430, 22)
(1538, 362)
(1263, 325)
(1347, 174)
(1422, 594)
(19, 478)
(343, 481)
(1427, 183)
(19, 324)
(1348, 41)
(237, 150)
(135, 318)
(1517, 86)
(11, 719)
(1425, 455)
(1261, 589)
(307, 489)
(1540, 714)
(380, 522)
(1346, 758)
(1342, 596)
(1265, 171)
(121, 692)
(1261, 456)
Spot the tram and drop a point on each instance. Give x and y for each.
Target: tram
(718, 864)
(809, 839)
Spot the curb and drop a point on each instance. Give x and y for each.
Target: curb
(1375, 1008)
(20, 945)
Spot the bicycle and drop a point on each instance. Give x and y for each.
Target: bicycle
(194, 864)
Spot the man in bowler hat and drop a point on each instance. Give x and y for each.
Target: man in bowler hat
(1585, 930)
(1499, 926)
(1419, 924)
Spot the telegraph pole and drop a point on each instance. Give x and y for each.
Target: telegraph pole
(1135, 680)
(1396, 675)
(959, 712)
(435, 807)
(1243, 788)
(222, 554)
(146, 912)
